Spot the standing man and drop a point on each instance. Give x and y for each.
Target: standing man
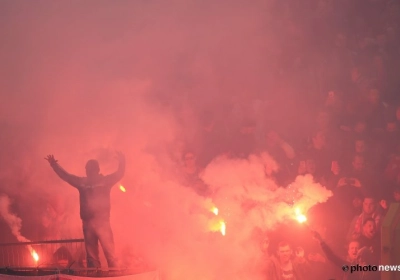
(94, 197)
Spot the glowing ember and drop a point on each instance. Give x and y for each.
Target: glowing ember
(215, 210)
(122, 188)
(223, 228)
(300, 217)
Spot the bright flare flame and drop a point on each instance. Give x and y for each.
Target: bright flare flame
(35, 256)
(217, 225)
(122, 188)
(215, 210)
(300, 217)
(223, 228)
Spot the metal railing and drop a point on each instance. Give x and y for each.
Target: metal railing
(54, 257)
(43, 254)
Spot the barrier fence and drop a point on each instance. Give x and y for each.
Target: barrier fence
(43, 254)
(57, 259)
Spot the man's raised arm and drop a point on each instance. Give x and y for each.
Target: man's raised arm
(330, 255)
(73, 180)
(113, 178)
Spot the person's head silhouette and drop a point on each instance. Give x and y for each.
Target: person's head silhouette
(92, 168)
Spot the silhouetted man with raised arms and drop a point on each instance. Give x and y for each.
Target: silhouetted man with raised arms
(94, 196)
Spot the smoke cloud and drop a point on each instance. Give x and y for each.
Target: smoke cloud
(183, 235)
(81, 80)
(15, 224)
(13, 221)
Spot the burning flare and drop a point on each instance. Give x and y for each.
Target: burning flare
(222, 227)
(15, 224)
(121, 187)
(301, 218)
(35, 255)
(217, 224)
(215, 210)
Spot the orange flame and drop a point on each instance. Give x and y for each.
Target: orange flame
(218, 225)
(223, 228)
(121, 187)
(299, 216)
(35, 256)
(215, 210)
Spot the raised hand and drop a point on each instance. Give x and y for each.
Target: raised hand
(51, 159)
(316, 235)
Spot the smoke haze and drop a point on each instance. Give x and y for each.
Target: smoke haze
(82, 79)
(14, 222)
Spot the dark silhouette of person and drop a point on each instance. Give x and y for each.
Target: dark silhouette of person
(94, 196)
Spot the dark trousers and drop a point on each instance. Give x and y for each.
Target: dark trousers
(95, 231)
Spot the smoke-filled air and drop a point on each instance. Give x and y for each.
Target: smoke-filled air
(215, 106)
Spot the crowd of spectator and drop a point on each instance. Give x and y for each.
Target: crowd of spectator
(352, 145)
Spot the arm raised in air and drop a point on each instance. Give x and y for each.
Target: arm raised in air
(115, 177)
(73, 180)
